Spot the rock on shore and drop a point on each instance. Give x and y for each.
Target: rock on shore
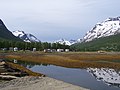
(37, 83)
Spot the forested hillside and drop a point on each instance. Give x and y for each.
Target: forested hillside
(6, 34)
(110, 43)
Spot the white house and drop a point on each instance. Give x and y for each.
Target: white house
(4, 49)
(47, 50)
(67, 50)
(60, 50)
(15, 49)
(34, 49)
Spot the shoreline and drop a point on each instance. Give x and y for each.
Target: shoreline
(34, 81)
(38, 83)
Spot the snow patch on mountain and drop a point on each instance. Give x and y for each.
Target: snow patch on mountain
(110, 26)
(65, 42)
(25, 37)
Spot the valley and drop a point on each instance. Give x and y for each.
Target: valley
(57, 65)
(96, 58)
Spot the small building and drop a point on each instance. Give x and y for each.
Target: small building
(4, 49)
(11, 48)
(101, 51)
(15, 49)
(34, 49)
(47, 50)
(53, 50)
(67, 50)
(60, 50)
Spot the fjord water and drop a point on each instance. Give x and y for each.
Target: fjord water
(82, 77)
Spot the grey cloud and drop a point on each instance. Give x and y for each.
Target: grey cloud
(68, 18)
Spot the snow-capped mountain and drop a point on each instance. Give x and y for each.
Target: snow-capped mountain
(65, 42)
(110, 26)
(25, 37)
(109, 76)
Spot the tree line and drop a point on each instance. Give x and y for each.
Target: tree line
(29, 46)
(110, 43)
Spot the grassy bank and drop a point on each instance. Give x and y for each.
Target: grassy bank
(71, 60)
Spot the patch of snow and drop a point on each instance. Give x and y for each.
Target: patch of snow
(110, 26)
(65, 42)
(25, 37)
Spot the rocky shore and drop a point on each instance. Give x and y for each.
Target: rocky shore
(37, 83)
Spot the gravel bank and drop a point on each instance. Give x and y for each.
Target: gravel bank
(37, 83)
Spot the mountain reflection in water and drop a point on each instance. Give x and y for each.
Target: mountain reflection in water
(110, 76)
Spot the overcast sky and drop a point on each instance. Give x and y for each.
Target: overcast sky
(51, 20)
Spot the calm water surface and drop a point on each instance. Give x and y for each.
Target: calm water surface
(92, 78)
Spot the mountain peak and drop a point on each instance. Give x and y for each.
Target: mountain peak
(2, 24)
(25, 36)
(110, 26)
(65, 42)
(1, 21)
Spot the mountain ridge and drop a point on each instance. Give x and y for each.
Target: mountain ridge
(26, 37)
(103, 36)
(65, 42)
(5, 34)
(110, 26)
(109, 43)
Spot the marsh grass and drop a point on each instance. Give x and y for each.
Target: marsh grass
(71, 60)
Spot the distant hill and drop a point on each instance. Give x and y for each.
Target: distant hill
(5, 34)
(109, 43)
